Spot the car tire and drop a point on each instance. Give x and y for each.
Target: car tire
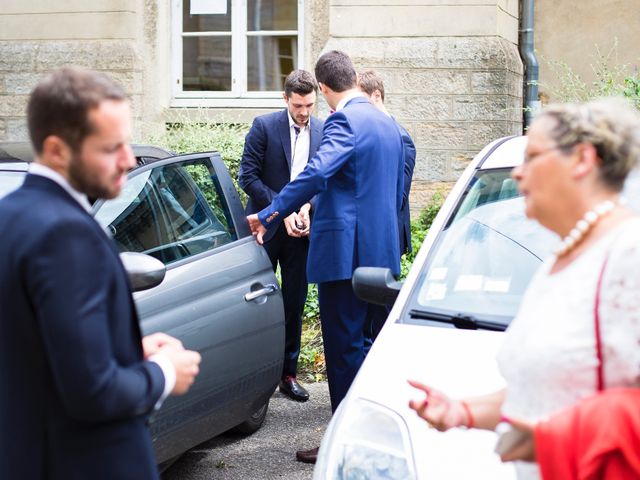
(254, 422)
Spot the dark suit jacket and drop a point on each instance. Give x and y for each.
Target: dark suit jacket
(74, 390)
(266, 161)
(357, 177)
(404, 218)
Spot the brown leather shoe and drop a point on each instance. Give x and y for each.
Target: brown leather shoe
(307, 456)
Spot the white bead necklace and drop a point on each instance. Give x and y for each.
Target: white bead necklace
(584, 225)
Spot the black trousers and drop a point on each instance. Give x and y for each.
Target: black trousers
(291, 254)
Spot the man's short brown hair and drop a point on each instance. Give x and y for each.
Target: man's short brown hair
(369, 81)
(60, 104)
(300, 82)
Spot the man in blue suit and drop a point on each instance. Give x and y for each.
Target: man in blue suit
(356, 176)
(78, 382)
(277, 148)
(372, 85)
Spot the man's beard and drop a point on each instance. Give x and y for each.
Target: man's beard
(86, 183)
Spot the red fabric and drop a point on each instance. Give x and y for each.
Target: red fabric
(599, 438)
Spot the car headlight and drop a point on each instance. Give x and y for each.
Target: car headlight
(366, 441)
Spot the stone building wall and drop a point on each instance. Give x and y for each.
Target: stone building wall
(38, 36)
(452, 71)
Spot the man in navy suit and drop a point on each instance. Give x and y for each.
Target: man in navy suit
(78, 382)
(372, 85)
(277, 148)
(356, 176)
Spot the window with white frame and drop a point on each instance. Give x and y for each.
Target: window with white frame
(234, 52)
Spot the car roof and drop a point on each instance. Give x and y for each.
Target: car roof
(506, 152)
(17, 155)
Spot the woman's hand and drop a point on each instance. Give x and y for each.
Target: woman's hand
(437, 409)
(525, 449)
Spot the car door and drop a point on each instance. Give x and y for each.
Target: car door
(219, 296)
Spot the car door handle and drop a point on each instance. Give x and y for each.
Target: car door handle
(270, 289)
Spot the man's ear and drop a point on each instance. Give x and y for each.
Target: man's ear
(56, 153)
(323, 88)
(286, 99)
(376, 96)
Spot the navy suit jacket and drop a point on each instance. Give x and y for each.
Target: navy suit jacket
(357, 177)
(74, 389)
(266, 161)
(404, 218)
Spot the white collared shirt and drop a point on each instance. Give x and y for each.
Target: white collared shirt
(350, 96)
(44, 171)
(168, 370)
(300, 144)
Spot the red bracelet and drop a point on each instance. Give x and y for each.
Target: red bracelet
(470, 420)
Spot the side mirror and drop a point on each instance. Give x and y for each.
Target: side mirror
(375, 285)
(144, 271)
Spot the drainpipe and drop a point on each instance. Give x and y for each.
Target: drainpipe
(531, 101)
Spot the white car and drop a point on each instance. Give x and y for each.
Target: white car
(470, 273)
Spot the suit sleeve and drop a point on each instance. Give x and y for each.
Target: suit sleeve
(71, 279)
(251, 165)
(336, 147)
(409, 164)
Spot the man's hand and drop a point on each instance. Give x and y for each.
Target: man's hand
(186, 364)
(294, 226)
(305, 218)
(151, 344)
(257, 229)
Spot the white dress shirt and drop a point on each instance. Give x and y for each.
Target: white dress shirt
(168, 370)
(299, 146)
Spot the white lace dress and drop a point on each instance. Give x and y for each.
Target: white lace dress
(549, 355)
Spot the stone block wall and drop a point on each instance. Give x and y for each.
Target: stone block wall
(38, 36)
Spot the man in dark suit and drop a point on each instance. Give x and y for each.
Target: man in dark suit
(356, 177)
(78, 381)
(372, 85)
(277, 148)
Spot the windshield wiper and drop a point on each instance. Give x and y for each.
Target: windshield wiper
(459, 320)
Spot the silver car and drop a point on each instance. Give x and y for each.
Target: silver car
(219, 295)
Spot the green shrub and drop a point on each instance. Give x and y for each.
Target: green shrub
(187, 136)
(419, 229)
(611, 80)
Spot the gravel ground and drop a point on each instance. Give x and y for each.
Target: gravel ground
(267, 454)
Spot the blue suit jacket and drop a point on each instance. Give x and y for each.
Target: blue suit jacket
(357, 177)
(404, 218)
(74, 389)
(266, 161)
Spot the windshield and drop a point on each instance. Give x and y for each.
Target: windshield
(483, 260)
(10, 181)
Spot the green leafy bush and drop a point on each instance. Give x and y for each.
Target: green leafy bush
(188, 136)
(611, 80)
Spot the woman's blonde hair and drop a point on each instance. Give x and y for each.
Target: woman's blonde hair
(611, 125)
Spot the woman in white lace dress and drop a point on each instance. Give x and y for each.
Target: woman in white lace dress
(576, 161)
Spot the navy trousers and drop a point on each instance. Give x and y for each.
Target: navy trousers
(376, 316)
(291, 253)
(343, 317)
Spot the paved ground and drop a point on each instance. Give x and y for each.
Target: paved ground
(267, 454)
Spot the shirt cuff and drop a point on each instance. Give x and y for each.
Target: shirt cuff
(169, 372)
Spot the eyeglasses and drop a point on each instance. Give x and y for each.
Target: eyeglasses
(529, 158)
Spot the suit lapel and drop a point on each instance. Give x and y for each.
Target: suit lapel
(285, 136)
(316, 136)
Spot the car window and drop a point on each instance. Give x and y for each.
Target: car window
(10, 181)
(484, 258)
(171, 212)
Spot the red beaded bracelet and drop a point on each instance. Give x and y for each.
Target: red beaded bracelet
(470, 420)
